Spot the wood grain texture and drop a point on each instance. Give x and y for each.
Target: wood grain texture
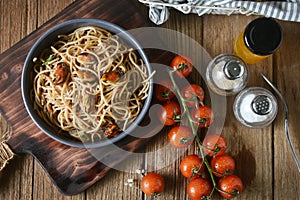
(263, 157)
(287, 79)
(246, 145)
(163, 160)
(42, 13)
(71, 169)
(19, 178)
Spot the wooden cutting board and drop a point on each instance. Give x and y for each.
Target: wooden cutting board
(71, 169)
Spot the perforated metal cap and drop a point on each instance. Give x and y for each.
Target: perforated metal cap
(261, 105)
(255, 107)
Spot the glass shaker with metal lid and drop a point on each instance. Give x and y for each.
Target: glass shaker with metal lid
(227, 74)
(255, 107)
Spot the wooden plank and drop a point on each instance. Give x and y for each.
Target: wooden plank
(286, 78)
(17, 176)
(251, 148)
(22, 125)
(14, 20)
(118, 176)
(258, 158)
(43, 187)
(47, 10)
(160, 157)
(117, 179)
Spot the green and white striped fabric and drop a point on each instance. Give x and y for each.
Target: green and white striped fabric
(288, 10)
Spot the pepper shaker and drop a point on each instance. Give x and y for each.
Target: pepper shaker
(227, 74)
(255, 107)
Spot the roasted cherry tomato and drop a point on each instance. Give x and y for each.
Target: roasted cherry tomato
(198, 188)
(193, 94)
(170, 113)
(112, 76)
(182, 65)
(230, 186)
(203, 115)
(180, 136)
(152, 184)
(191, 165)
(214, 145)
(61, 73)
(223, 165)
(163, 90)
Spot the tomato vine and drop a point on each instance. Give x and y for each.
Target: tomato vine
(227, 194)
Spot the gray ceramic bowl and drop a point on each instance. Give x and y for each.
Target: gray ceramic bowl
(45, 41)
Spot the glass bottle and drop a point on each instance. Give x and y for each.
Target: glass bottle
(260, 39)
(255, 107)
(226, 74)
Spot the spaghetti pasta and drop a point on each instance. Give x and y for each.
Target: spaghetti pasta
(90, 84)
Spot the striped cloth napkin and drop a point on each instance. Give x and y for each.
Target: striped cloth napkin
(288, 10)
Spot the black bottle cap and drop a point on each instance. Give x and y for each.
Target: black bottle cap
(263, 36)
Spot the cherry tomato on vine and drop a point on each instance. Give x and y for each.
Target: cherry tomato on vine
(231, 186)
(222, 165)
(191, 165)
(214, 145)
(198, 188)
(182, 65)
(180, 136)
(170, 113)
(203, 115)
(152, 184)
(193, 94)
(163, 90)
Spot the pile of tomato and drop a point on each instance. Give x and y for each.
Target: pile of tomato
(221, 167)
(212, 159)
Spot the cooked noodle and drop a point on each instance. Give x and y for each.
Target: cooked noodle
(88, 82)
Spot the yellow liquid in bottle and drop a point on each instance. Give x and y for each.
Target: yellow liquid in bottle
(241, 50)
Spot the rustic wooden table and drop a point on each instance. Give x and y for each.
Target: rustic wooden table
(264, 160)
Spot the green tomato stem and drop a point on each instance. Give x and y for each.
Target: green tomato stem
(192, 125)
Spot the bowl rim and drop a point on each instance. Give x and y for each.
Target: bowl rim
(115, 29)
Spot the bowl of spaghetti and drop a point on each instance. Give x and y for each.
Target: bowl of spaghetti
(87, 83)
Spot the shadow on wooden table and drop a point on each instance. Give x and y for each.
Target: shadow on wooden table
(246, 168)
(14, 170)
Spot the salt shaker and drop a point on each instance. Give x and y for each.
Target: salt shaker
(255, 107)
(226, 74)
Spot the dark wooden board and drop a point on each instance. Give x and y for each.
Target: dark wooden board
(71, 169)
